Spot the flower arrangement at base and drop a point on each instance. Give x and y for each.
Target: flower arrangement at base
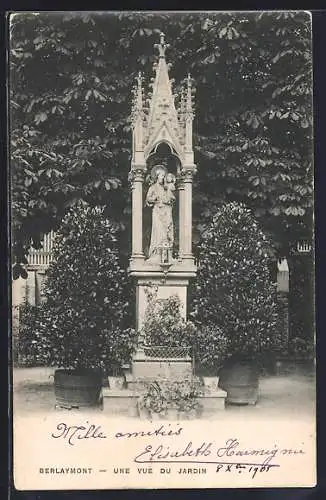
(152, 400)
(172, 398)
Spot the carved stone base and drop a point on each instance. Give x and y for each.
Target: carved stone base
(145, 369)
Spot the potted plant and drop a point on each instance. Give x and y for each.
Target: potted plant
(234, 291)
(86, 302)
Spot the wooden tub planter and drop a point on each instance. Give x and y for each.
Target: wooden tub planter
(77, 388)
(240, 380)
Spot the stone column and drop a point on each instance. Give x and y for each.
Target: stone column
(187, 214)
(181, 219)
(137, 213)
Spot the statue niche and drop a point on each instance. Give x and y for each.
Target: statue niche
(161, 198)
(161, 203)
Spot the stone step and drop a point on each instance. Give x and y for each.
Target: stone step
(123, 402)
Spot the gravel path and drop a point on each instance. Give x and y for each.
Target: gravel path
(282, 396)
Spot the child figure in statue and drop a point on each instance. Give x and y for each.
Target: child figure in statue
(160, 197)
(170, 181)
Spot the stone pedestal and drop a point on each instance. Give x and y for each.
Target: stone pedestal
(174, 282)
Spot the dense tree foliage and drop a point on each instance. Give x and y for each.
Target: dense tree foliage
(70, 87)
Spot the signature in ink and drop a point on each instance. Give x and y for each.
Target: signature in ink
(203, 454)
(206, 452)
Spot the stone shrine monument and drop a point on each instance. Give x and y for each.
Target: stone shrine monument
(161, 176)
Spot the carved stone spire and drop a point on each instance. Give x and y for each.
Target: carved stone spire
(155, 118)
(162, 122)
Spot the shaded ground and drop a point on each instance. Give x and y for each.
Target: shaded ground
(281, 396)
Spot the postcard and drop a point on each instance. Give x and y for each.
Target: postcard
(161, 174)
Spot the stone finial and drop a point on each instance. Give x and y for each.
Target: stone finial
(162, 46)
(139, 91)
(189, 91)
(182, 100)
(138, 104)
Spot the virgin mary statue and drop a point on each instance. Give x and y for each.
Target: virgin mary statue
(160, 197)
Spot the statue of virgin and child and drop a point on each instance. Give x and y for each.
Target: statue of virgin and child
(161, 198)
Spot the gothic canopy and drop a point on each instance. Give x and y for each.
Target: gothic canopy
(162, 116)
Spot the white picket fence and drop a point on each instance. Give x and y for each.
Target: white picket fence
(42, 257)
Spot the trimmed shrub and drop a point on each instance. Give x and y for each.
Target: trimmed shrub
(85, 318)
(233, 288)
